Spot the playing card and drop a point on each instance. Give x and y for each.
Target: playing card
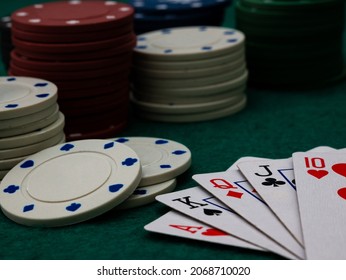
(232, 189)
(321, 191)
(177, 224)
(274, 182)
(202, 206)
(234, 166)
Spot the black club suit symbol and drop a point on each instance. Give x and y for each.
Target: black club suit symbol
(273, 182)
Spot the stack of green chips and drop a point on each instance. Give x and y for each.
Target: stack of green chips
(292, 43)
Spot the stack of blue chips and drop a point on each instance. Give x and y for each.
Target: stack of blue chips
(158, 14)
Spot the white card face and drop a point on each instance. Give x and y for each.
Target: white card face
(234, 190)
(176, 224)
(202, 206)
(274, 181)
(321, 190)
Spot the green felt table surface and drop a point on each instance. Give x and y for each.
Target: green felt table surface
(274, 124)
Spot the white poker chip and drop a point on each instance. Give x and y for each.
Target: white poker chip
(161, 159)
(196, 117)
(189, 65)
(189, 43)
(35, 136)
(20, 96)
(33, 148)
(3, 174)
(7, 164)
(192, 82)
(70, 183)
(188, 73)
(28, 119)
(187, 108)
(145, 195)
(31, 126)
(184, 100)
(193, 91)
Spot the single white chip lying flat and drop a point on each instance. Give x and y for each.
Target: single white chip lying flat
(189, 43)
(161, 159)
(20, 96)
(145, 195)
(70, 183)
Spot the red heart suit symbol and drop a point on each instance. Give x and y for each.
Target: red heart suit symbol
(213, 232)
(342, 193)
(318, 173)
(340, 168)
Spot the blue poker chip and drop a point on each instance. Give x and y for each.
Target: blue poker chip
(183, 6)
(143, 17)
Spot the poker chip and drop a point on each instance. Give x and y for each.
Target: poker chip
(3, 173)
(188, 43)
(187, 73)
(197, 91)
(172, 101)
(161, 159)
(85, 48)
(94, 176)
(30, 120)
(283, 43)
(146, 195)
(190, 73)
(157, 14)
(30, 127)
(73, 37)
(35, 136)
(22, 96)
(72, 16)
(188, 117)
(31, 149)
(189, 65)
(188, 108)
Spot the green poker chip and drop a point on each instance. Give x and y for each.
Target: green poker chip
(292, 5)
(296, 43)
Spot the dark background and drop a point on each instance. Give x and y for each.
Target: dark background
(274, 124)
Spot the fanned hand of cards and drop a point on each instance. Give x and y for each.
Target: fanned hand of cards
(294, 207)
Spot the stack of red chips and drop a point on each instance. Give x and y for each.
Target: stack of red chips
(85, 48)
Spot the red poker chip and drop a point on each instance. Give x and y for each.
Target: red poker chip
(78, 56)
(69, 48)
(72, 38)
(82, 84)
(67, 66)
(87, 101)
(97, 121)
(72, 16)
(111, 131)
(71, 75)
(92, 92)
(78, 111)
